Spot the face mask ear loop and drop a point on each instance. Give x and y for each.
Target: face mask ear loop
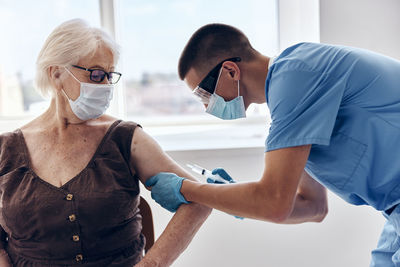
(72, 75)
(238, 88)
(62, 90)
(216, 84)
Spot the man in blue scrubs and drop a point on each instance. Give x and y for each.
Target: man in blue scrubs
(335, 114)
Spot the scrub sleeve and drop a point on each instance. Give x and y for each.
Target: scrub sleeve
(303, 103)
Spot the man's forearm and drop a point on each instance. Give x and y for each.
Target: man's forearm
(311, 204)
(306, 210)
(270, 199)
(176, 236)
(261, 201)
(251, 199)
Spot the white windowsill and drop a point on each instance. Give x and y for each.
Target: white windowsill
(210, 137)
(198, 135)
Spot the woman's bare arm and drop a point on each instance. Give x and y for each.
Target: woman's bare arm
(149, 159)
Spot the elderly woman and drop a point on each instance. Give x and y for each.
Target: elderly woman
(69, 186)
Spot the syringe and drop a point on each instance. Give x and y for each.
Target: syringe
(206, 173)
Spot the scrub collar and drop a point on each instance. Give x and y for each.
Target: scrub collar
(271, 61)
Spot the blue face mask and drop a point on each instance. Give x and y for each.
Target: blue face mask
(226, 110)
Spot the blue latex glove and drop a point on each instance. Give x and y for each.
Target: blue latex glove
(166, 190)
(224, 175)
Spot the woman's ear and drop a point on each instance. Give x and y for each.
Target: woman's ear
(54, 74)
(233, 69)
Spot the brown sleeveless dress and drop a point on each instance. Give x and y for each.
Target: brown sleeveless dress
(92, 220)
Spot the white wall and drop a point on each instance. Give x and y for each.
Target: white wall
(298, 21)
(370, 24)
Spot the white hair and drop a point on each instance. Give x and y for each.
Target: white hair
(66, 45)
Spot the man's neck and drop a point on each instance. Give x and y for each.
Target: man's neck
(254, 80)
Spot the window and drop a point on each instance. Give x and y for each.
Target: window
(153, 34)
(25, 27)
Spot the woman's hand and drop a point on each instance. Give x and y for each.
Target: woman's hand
(4, 259)
(147, 263)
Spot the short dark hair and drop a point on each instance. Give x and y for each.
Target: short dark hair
(211, 44)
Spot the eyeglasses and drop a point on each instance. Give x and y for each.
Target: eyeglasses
(207, 86)
(98, 75)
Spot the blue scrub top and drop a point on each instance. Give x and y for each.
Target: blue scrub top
(346, 103)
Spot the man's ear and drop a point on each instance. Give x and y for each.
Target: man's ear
(233, 69)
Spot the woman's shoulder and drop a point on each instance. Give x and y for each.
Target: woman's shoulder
(8, 138)
(118, 124)
(109, 121)
(11, 150)
(129, 124)
(123, 130)
(120, 131)
(118, 137)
